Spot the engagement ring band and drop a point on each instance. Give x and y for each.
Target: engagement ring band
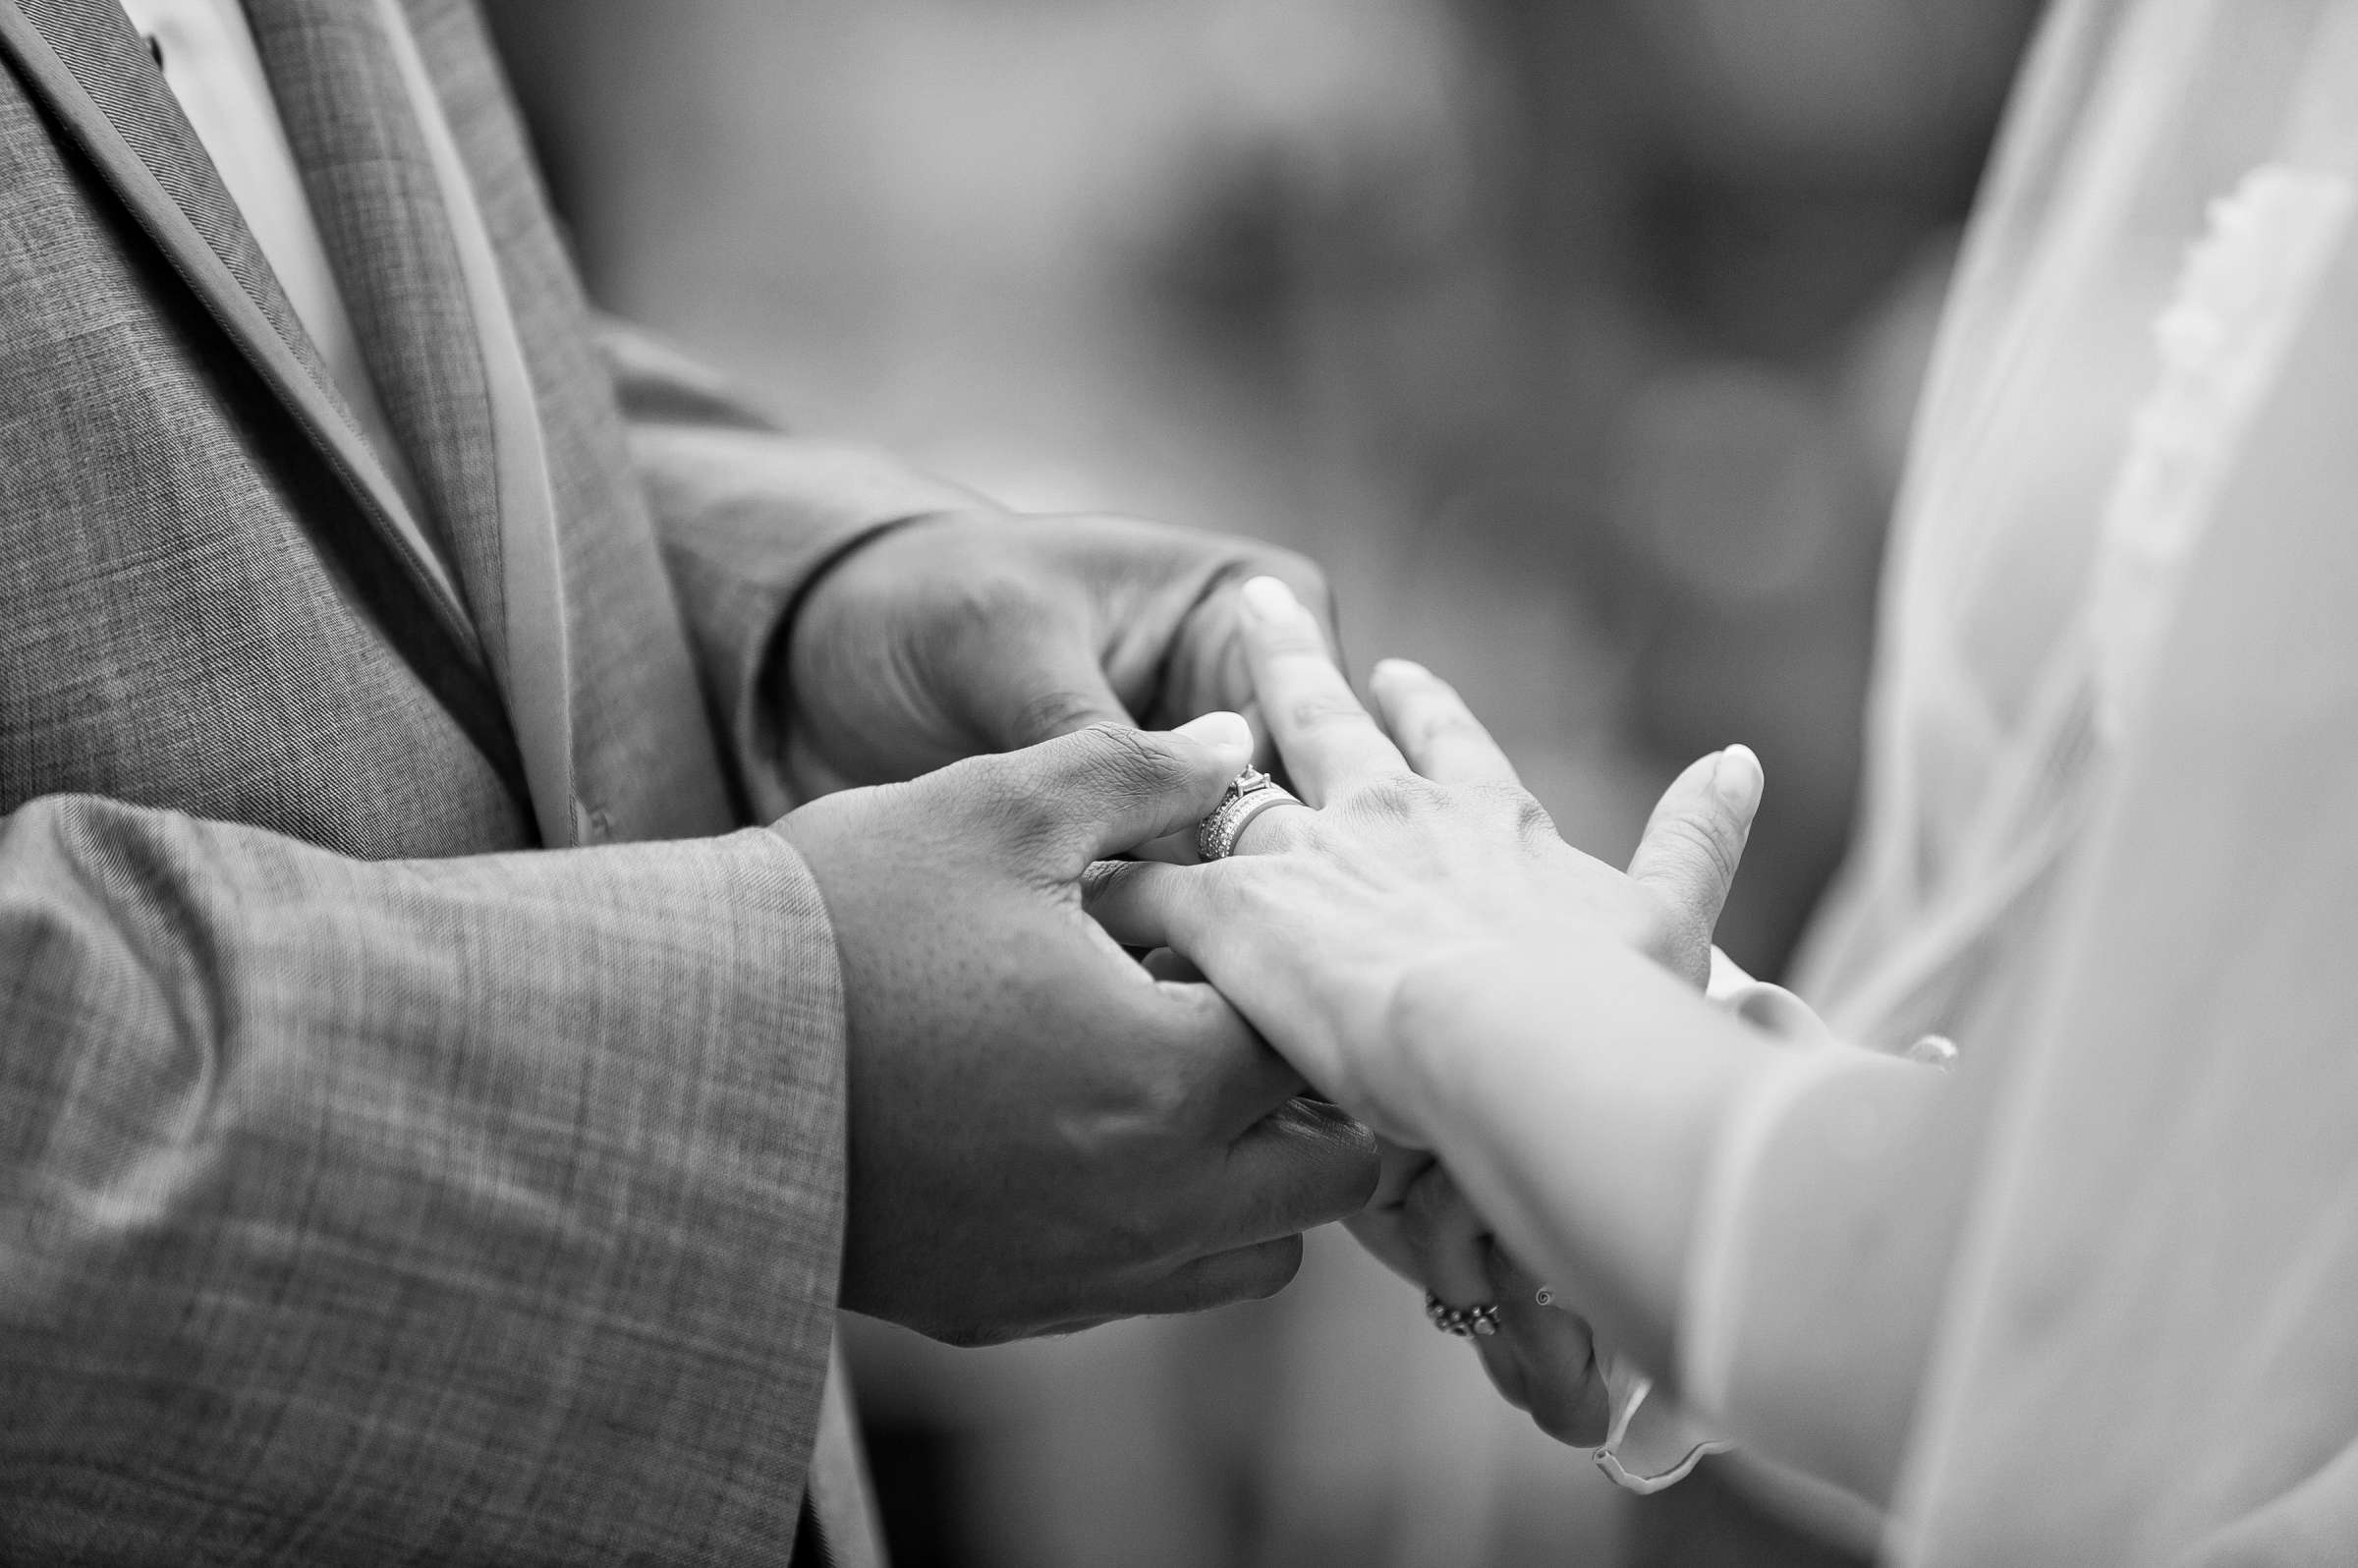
(1250, 794)
(1465, 1323)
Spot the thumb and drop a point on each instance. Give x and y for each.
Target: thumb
(1110, 788)
(1045, 684)
(1693, 844)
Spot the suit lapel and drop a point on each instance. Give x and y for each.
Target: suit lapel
(535, 621)
(90, 71)
(83, 59)
(421, 277)
(374, 195)
(601, 608)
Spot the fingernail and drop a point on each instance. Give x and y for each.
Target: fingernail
(1226, 733)
(1269, 600)
(1737, 778)
(1401, 667)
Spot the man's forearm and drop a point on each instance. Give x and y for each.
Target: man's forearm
(482, 1210)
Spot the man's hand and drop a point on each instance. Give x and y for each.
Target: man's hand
(1042, 1135)
(976, 632)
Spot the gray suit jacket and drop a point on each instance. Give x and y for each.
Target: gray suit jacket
(401, 1159)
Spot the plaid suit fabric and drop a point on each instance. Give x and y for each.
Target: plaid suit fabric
(98, 42)
(382, 217)
(372, 1191)
(180, 625)
(470, 1210)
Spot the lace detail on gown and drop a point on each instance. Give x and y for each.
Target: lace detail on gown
(2245, 287)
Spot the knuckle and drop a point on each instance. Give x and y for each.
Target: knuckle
(1107, 762)
(1106, 879)
(1532, 819)
(1056, 712)
(1399, 796)
(1413, 727)
(1168, 1097)
(1439, 730)
(1140, 1103)
(978, 606)
(1117, 755)
(1325, 710)
(1528, 818)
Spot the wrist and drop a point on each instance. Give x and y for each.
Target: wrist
(1577, 1090)
(1444, 1012)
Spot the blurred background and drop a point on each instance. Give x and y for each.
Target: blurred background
(1576, 338)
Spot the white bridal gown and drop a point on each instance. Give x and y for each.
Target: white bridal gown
(2111, 844)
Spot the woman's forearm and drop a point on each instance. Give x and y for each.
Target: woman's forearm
(1583, 1104)
(1578, 1100)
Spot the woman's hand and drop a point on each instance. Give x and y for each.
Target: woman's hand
(1544, 1360)
(1424, 853)
(1426, 845)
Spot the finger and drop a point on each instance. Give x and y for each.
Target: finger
(1109, 788)
(1385, 1239)
(1172, 849)
(1545, 1360)
(1241, 1273)
(1199, 1284)
(1173, 968)
(1267, 830)
(1328, 739)
(1225, 1080)
(1147, 904)
(1402, 1168)
(1451, 1242)
(1695, 841)
(1431, 725)
(1274, 829)
(1204, 666)
(1038, 685)
(1383, 1226)
(1305, 1165)
(1230, 1070)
